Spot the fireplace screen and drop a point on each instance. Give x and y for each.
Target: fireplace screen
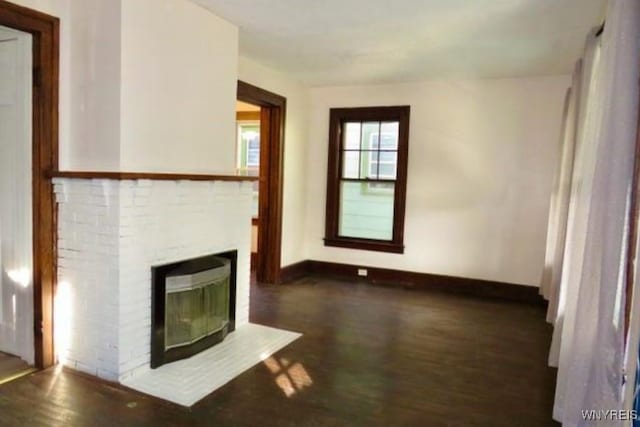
(193, 305)
(196, 305)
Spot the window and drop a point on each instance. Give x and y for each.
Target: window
(249, 155)
(367, 178)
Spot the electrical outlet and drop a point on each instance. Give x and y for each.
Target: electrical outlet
(363, 272)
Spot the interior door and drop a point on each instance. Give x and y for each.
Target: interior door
(16, 223)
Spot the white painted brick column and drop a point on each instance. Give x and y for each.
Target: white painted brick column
(110, 234)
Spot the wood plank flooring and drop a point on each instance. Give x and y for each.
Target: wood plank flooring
(370, 356)
(11, 365)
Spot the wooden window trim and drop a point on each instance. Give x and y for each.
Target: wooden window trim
(337, 117)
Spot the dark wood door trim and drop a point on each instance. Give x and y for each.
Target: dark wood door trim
(46, 44)
(272, 124)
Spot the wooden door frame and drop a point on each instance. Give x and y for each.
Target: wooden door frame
(45, 31)
(273, 109)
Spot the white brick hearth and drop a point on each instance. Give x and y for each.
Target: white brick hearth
(110, 233)
(185, 382)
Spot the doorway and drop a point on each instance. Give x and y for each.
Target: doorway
(16, 217)
(248, 163)
(264, 113)
(29, 273)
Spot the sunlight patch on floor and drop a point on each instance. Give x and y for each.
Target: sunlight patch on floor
(291, 378)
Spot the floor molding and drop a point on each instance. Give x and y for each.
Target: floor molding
(17, 375)
(295, 271)
(414, 280)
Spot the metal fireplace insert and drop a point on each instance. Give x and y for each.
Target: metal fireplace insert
(193, 306)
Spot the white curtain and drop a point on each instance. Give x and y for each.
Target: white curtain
(559, 195)
(566, 281)
(591, 348)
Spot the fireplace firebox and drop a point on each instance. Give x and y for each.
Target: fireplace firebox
(193, 306)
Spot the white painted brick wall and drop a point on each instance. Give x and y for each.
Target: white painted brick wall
(111, 232)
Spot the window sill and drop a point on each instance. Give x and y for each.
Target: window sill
(365, 244)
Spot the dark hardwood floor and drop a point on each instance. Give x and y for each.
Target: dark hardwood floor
(10, 366)
(370, 356)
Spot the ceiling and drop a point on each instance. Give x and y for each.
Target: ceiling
(374, 41)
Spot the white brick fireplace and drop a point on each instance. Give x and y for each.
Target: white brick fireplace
(110, 233)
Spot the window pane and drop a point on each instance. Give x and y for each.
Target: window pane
(249, 146)
(253, 151)
(369, 165)
(366, 210)
(388, 165)
(350, 167)
(387, 168)
(248, 156)
(352, 136)
(389, 135)
(388, 156)
(387, 171)
(370, 132)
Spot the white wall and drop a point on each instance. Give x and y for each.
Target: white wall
(145, 85)
(480, 154)
(89, 81)
(179, 71)
(295, 152)
(481, 159)
(94, 126)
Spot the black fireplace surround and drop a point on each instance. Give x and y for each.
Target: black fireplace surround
(160, 354)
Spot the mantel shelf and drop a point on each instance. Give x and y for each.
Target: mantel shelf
(150, 176)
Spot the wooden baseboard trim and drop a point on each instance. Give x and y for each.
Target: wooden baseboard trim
(413, 280)
(295, 271)
(19, 374)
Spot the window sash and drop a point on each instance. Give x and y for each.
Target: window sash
(371, 142)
